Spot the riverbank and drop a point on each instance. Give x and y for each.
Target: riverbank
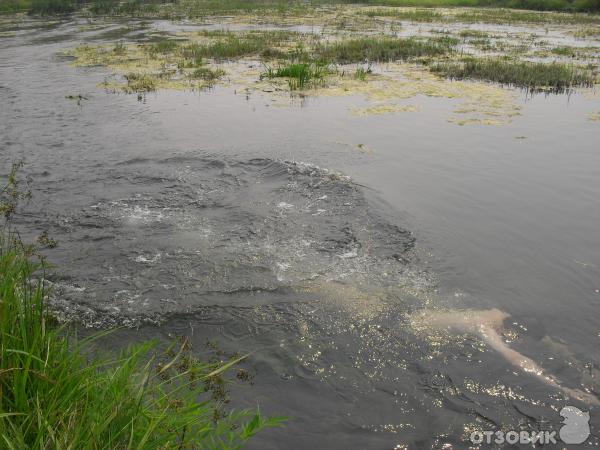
(54, 393)
(155, 7)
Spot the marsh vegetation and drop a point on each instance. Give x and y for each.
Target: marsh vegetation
(554, 77)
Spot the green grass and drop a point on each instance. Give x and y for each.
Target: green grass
(473, 34)
(55, 395)
(555, 77)
(228, 45)
(299, 75)
(539, 5)
(417, 15)
(564, 51)
(383, 49)
(202, 8)
(47, 7)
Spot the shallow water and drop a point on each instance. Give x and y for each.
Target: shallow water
(311, 237)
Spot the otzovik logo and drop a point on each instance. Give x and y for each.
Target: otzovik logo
(576, 428)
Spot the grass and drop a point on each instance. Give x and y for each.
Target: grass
(54, 394)
(473, 34)
(555, 77)
(202, 8)
(226, 45)
(362, 74)
(207, 74)
(538, 5)
(416, 15)
(382, 49)
(299, 75)
(47, 7)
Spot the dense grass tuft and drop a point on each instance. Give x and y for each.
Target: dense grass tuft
(48, 7)
(382, 49)
(299, 75)
(555, 77)
(417, 15)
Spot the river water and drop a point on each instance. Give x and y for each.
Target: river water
(218, 215)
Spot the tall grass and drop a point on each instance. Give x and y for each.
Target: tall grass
(417, 15)
(382, 49)
(55, 395)
(556, 77)
(196, 8)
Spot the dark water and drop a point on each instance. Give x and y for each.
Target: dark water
(220, 217)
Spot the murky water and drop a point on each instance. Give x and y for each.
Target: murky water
(313, 238)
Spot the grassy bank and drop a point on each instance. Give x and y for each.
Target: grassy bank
(207, 7)
(54, 394)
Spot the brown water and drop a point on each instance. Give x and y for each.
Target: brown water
(221, 216)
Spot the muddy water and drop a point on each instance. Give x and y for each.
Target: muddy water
(314, 237)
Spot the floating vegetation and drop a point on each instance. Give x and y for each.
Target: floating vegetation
(478, 103)
(166, 64)
(140, 82)
(594, 116)
(387, 108)
(383, 49)
(555, 77)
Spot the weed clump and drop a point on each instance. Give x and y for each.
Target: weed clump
(299, 75)
(554, 77)
(141, 82)
(382, 49)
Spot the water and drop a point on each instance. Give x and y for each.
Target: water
(221, 216)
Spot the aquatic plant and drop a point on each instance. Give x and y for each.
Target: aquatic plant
(165, 46)
(207, 74)
(382, 49)
(141, 82)
(299, 75)
(473, 34)
(554, 76)
(416, 15)
(361, 73)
